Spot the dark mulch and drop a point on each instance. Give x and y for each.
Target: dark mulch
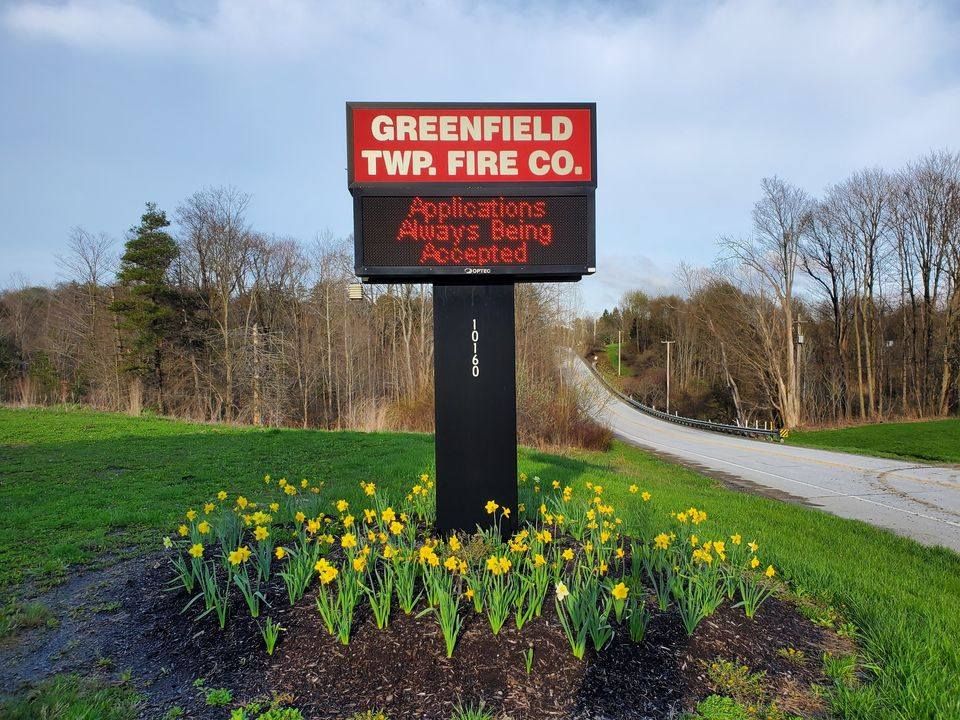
(402, 670)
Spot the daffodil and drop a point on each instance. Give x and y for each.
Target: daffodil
(191, 515)
(491, 507)
(203, 527)
(299, 517)
(662, 541)
(568, 554)
(222, 495)
(634, 489)
(360, 563)
(348, 541)
(240, 555)
(261, 533)
(342, 506)
(562, 592)
(770, 572)
(280, 553)
(183, 531)
(208, 508)
(620, 591)
(646, 496)
(754, 563)
(196, 550)
(454, 544)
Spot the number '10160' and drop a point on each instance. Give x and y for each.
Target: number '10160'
(475, 363)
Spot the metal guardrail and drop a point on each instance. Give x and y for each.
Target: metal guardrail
(777, 435)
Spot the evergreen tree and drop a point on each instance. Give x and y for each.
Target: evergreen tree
(148, 305)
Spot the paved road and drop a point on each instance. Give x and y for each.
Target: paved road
(915, 500)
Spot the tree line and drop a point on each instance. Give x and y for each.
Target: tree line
(202, 317)
(834, 308)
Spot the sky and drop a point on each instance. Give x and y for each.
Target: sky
(107, 104)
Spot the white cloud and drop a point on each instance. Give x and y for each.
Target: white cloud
(696, 101)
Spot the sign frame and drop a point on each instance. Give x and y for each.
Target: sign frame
(506, 189)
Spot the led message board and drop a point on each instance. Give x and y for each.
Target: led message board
(472, 191)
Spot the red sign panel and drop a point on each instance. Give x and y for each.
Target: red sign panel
(471, 145)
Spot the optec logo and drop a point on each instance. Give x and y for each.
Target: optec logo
(477, 271)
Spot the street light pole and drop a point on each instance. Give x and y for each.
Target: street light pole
(619, 343)
(668, 343)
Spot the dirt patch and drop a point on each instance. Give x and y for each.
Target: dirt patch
(125, 618)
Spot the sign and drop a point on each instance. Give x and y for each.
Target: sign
(472, 198)
(533, 235)
(472, 191)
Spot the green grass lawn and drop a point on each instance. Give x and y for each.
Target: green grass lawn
(930, 441)
(76, 485)
(625, 370)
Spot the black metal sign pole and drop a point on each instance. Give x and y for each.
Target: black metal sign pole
(475, 394)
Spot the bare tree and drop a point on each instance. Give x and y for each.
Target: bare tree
(780, 219)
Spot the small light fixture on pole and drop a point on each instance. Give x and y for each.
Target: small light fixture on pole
(668, 343)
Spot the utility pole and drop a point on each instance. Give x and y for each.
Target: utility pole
(800, 340)
(619, 343)
(668, 343)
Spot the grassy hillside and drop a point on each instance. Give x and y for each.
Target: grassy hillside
(931, 441)
(75, 485)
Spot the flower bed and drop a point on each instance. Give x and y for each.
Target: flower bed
(571, 550)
